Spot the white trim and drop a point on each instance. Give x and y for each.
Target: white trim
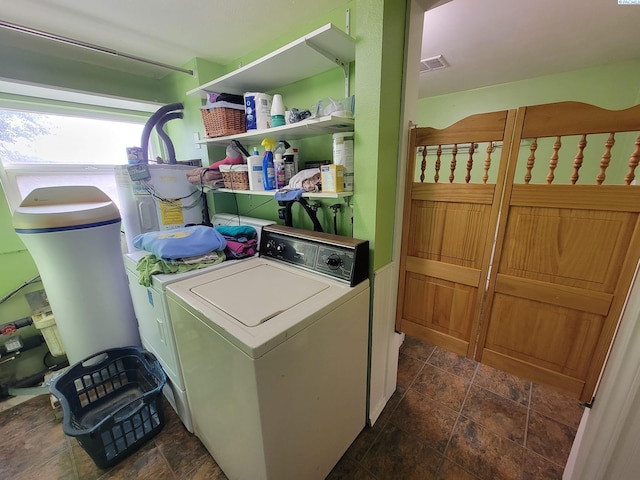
(28, 89)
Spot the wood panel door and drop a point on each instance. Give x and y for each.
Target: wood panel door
(527, 272)
(565, 253)
(452, 197)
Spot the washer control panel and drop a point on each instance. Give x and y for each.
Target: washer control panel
(341, 258)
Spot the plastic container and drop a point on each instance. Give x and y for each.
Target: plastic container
(277, 111)
(278, 164)
(46, 323)
(73, 235)
(343, 155)
(254, 167)
(112, 402)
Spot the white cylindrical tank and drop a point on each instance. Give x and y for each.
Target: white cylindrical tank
(73, 235)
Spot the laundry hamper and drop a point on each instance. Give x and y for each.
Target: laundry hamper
(112, 402)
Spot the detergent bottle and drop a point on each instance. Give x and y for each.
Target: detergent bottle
(268, 169)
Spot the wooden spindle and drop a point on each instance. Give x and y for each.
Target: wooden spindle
(553, 162)
(423, 165)
(467, 177)
(633, 163)
(454, 152)
(606, 158)
(531, 160)
(436, 177)
(577, 161)
(487, 162)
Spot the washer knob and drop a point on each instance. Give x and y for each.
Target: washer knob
(334, 261)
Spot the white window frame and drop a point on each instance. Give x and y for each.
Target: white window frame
(28, 97)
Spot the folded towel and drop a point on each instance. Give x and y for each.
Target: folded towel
(181, 242)
(237, 231)
(150, 265)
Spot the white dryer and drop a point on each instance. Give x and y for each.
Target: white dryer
(274, 352)
(154, 320)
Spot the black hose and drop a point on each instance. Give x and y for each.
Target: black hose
(148, 127)
(171, 151)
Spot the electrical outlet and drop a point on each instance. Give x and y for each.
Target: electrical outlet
(196, 138)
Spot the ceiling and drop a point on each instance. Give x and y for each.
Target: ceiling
(484, 42)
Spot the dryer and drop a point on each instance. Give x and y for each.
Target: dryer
(154, 320)
(274, 352)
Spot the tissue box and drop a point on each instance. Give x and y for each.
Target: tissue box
(332, 178)
(257, 110)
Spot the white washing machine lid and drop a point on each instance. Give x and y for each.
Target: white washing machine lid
(272, 292)
(279, 300)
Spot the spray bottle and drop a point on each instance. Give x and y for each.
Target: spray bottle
(268, 170)
(278, 163)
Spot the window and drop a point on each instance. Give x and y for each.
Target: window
(46, 149)
(47, 142)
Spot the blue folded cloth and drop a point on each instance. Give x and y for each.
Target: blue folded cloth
(285, 195)
(181, 242)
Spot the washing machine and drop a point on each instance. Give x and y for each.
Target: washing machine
(274, 353)
(154, 320)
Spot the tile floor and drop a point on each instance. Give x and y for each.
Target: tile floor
(450, 418)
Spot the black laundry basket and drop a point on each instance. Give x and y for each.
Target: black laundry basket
(112, 402)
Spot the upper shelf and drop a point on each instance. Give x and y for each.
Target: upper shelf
(321, 50)
(293, 131)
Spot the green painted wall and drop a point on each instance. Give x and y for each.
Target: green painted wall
(614, 87)
(378, 85)
(376, 80)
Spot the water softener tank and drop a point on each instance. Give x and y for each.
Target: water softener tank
(73, 235)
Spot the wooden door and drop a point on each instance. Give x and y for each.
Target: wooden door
(529, 272)
(449, 221)
(566, 251)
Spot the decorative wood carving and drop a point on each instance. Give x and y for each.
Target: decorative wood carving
(633, 163)
(487, 162)
(606, 158)
(454, 152)
(531, 160)
(423, 164)
(577, 161)
(467, 177)
(553, 162)
(436, 177)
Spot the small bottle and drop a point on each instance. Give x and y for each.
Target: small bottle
(278, 163)
(277, 111)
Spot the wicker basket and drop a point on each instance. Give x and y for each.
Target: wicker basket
(222, 121)
(235, 177)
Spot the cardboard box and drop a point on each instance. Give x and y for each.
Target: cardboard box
(332, 178)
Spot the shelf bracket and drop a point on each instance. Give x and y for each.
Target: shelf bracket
(339, 62)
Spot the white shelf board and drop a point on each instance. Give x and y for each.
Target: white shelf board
(321, 50)
(294, 131)
(271, 193)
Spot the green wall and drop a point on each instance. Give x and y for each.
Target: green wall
(613, 87)
(376, 80)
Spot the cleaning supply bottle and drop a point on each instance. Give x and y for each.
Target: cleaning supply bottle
(278, 162)
(268, 169)
(254, 165)
(277, 111)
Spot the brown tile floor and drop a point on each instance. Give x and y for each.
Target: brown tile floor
(450, 418)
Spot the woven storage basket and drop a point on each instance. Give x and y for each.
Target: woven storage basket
(235, 177)
(222, 121)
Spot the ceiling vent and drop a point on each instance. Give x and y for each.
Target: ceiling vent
(433, 63)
